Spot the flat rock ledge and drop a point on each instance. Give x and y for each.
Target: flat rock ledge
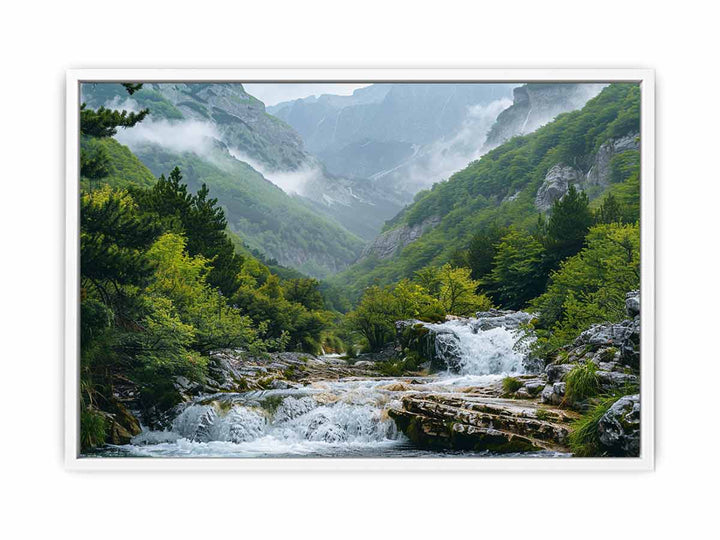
(480, 423)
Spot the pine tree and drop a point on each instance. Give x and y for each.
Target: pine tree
(569, 223)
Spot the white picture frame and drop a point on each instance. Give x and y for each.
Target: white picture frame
(644, 77)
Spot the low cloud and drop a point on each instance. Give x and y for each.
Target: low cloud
(183, 136)
(291, 182)
(439, 160)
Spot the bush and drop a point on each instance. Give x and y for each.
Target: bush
(583, 438)
(581, 383)
(93, 429)
(511, 385)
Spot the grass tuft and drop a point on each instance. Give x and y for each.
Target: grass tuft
(581, 383)
(583, 439)
(511, 385)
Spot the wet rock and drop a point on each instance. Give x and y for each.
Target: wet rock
(439, 346)
(364, 363)
(619, 427)
(471, 422)
(496, 318)
(614, 380)
(553, 393)
(121, 424)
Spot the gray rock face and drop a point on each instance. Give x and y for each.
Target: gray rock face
(599, 173)
(619, 428)
(536, 104)
(561, 176)
(625, 336)
(556, 185)
(632, 303)
(390, 242)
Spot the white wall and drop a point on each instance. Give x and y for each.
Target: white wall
(40, 42)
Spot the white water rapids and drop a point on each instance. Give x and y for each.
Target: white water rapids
(347, 417)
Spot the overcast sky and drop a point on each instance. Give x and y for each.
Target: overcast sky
(274, 93)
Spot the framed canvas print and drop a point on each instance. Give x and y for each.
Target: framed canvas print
(360, 269)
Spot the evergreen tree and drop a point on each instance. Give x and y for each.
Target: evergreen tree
(482, 249)
(609, 211)
(569, 223)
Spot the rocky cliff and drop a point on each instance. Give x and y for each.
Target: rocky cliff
(560, 176)
(536, 104)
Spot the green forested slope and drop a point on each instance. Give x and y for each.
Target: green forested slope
(499, 189)
(279, 226)
(265, 217)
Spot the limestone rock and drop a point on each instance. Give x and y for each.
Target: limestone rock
(471, 422)
(390, 242)
(619, 427)
(556, 184)
(599, 173)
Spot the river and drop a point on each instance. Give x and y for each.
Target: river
(331, 418)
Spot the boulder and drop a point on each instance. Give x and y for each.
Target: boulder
(619, 427)
(553, 394)
(557, 372)
(439, 346)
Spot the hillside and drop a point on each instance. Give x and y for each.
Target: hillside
(220, 135)
(265, 217)
(595, 148)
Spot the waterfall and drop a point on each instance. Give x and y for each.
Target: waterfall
(490, 344)
(344, 418)
(333, 418)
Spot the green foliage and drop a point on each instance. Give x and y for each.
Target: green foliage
(511, 385)
(457, 292)
(374, 317)
(105, 122)
(269, 221)
(203, 222)
(499, 190)
(609, 210)
(93, 428)
(398, 368)
(624, 165)
(113, 239)
(518, 273)
(589, 287)
(581, 383)
(482, 250)
(434, 293)
(568, 224)
(584, 438)
(106, 161)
